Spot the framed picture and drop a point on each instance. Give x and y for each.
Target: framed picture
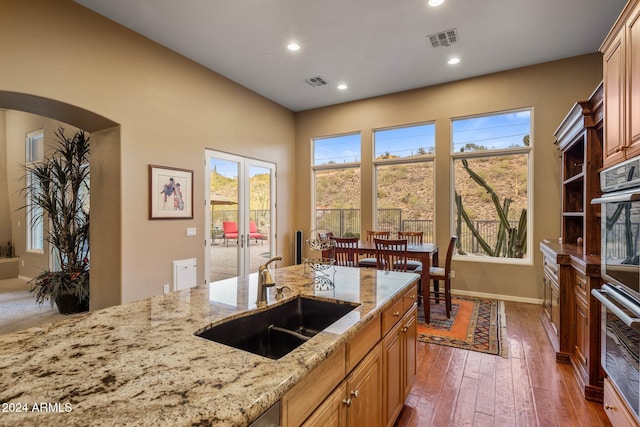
(170, 193)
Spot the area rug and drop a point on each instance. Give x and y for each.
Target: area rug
(475, 324)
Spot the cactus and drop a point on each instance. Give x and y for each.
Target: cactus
(511, 242)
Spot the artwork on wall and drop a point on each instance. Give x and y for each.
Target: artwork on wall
(170, 193)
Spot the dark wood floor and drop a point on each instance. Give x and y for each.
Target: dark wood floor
(464, 388)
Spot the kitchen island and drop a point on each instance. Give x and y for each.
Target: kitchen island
(141, 364)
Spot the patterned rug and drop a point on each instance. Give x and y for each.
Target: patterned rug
(475, 324)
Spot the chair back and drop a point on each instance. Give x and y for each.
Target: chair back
(372, 234)
(447, 263)
(325, 235)
(230, 227)
(413, 237)
(391, 254)
(345, 250)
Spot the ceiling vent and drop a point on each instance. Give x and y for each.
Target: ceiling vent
(445, 38)
(315, 81)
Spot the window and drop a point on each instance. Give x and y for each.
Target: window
(34, 221)
(336, 171)
(403, 159)
(491, 167)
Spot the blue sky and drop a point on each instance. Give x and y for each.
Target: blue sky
(494, 132)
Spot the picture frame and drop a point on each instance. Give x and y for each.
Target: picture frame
(170, 193)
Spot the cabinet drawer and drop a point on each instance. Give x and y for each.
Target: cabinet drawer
(363, 341)
(410, 297)
(392, 315)
(551, 268)
(581, 285)
(615, 408)
(299, 402)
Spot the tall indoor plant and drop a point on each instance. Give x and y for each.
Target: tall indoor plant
(57, 190)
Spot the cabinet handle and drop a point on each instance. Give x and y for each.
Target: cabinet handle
(607, 406)
(396, 313)
(347, 402)
(355, 393)
(412, 297)
(404, 329)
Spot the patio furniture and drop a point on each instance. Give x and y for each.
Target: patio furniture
(230, 230)
(253, 232)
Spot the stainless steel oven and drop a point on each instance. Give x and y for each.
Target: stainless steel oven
(620, 295)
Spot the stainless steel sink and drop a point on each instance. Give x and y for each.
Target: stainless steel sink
(276, 331)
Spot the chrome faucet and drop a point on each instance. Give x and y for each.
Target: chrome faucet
(265, 280)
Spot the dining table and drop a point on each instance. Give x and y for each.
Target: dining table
(422, 252)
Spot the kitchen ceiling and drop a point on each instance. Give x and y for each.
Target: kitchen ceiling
(375, 47)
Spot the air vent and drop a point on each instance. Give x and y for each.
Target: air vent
(445, 38)
(316, 81)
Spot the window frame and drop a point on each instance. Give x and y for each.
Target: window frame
(420, 158)
(34, 221)
(333, 166)
(528, 258)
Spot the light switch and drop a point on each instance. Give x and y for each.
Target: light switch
(191, 231)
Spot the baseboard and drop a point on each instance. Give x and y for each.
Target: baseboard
(496, 296)
(25, 278)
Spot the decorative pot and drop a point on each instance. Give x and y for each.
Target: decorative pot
(69, 304)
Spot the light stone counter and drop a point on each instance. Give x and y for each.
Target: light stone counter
(141, 364)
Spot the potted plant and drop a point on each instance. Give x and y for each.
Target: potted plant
(58, 191)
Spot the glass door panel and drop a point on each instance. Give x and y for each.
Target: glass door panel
(241, 214)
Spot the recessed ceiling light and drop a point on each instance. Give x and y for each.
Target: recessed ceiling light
(293, 46)
(453, 61)
(435, 3)
(342, 86)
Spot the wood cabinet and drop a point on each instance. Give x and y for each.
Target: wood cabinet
(350, 388)
(571, 265)
(617, 411)
(357, 400)
(399, 362)
(621, 72)
(579, 139)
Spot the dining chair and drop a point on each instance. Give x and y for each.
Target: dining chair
(413, 238)
(371, 234)
(436, 274)
(345, 251)
(391, 254)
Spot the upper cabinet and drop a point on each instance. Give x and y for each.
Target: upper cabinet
(621, 72)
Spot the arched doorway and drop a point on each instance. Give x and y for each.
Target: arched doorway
(105, 234)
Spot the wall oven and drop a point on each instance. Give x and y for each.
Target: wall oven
(620, 295)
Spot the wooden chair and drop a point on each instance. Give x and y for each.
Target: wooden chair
(391, 254)
(413, 238)
(345, 251)
(436, 274)
(371, 234)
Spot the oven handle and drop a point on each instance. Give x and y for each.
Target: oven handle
(626, 196)
(603, 296)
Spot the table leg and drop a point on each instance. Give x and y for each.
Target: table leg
(424, 283)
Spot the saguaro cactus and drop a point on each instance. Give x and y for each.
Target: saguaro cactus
(511, 242)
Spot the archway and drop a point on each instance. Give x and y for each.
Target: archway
(105, 163)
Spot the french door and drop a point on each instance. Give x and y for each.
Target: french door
(240, 214)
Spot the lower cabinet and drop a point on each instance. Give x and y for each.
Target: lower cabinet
(399, 361)
(380, 367)
(357, 400)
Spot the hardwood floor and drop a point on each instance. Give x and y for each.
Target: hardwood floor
(464, 388)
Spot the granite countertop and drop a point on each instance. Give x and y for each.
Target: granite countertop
(141, 364)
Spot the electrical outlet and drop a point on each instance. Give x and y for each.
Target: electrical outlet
(191, 231)
(22, 263)
(166, 288)
(452, 275)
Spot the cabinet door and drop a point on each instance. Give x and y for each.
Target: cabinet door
(364, 390)
(546, 295)
(633, 81)
(333, 412)
(582, 332)
(392, 384)
(555, 308)
(410, 350)
(614, 101)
